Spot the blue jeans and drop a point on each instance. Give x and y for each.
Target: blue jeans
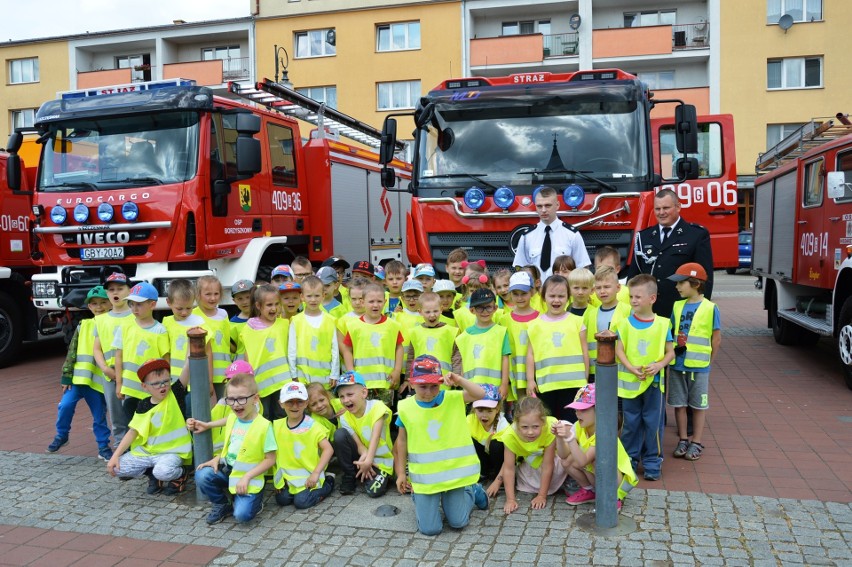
(214, 485)
(642, 434)
(457, 504)
(306, 498)
(97, 405)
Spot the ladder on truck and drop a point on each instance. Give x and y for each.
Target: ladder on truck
(277, 97)
(808, 136)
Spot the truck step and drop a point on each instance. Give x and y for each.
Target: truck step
(816, 324)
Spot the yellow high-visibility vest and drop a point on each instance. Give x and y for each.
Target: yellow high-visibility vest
(374, 351)
(531, 451)
(313, 348)
(162, 430)
(298, 454)
(219, 336)
(250, 455)
(266, 351)
(642, 347)
(363, 427)
(138, 347)
(86, 371)
(519, 341)
(559, 362)
(482, 355)
(590, 318)
(698, 341)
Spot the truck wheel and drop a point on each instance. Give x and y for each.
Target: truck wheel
(844, 341)
(731, 271)
(11, 329)
(785, 332)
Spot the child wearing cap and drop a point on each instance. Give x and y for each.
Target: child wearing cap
(340, 266)
(330, 283)
(290, 294)
(536, 301)
(516, 322)
(105, 325)
(425, 274)
(233, 480)
(159, 442)
(312, 347)
(143, 339)
(485, 423)
(408, 318)
(303, 453)
(241, 293)
(608, 312)
(362, 443)
(484, 346)
(575, 446)
(432, 336)
(280, 274)
(208, 292)
(644, 349)
(83, 380)
(221, 409)
(395, 274)
(447, 293)
(364, 269)
(699, 337)
(435, 450)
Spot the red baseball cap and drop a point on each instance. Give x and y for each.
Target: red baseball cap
(689, 270)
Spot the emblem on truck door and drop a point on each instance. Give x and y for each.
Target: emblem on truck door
(245, 197)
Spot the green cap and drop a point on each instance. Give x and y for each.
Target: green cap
(97, 291)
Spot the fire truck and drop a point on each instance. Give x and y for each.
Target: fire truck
(802, 244)
(164, 180)
(484, 145)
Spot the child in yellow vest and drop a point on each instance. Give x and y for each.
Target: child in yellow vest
(432, 336)
(221, 409)
(485, 422)
(447, 293)
(425, 274)
(218, 325)
(395, 276)
(312, 348)
(323, 408)
(606, 315)
(356, 303)
(82, 380)
(484, 346)
(643, 348)
(159, 442)
(436, 460)
(143, 339)
(609, 256)
(181, 299)
(236, 474)
(501, 289)
(330, 282)
(264, 343)
(408, 318)
(537, 300)
(475, 278)
(516, 323)
(241, 293)
(362, 442)
(290, 295)
(557, 354)
(575, 445)
(303, 453)
(581, 285)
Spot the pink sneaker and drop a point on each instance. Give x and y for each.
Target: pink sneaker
(581, 497)
(618, 506)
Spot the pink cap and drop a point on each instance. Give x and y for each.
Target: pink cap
(239, 367)
(585, 398)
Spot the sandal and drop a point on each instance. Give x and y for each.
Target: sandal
(681, 448)
(693, 453)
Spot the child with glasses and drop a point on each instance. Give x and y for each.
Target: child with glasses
(484, 346)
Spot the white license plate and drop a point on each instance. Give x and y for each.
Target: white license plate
(109, 253)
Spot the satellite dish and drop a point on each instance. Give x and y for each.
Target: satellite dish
(331, 37)
(701, 25)
(785, 22)
(574, 21)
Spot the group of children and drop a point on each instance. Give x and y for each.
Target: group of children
(521, 352)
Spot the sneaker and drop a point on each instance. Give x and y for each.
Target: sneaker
(154, 485)
(348, 484)
(480, 499)
(693, 453)
(219, 513)
(329, 481)
(57, 443)
(176, 486)
(618, 506)
(105, 453)
(570, 486)
(581, 497)
(651, 475)
(681, 448)
(379, 484)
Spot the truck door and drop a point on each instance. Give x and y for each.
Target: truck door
(814, 268)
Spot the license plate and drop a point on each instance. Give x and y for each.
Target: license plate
(109, 253)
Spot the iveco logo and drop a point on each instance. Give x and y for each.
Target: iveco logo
(103, 238)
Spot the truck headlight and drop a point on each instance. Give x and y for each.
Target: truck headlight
(44, 290)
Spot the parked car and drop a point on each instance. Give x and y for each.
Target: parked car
(745, 252)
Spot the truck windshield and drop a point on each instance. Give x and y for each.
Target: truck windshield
(112, 153)
(528, 141)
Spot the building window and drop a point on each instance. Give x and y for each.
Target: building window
(139, 65)
(777, 132)
(315, 43)
(233, 66)
(526, 27)
(397, 95)
(23, 71)
(657, 80)
(328, 95)
(650, 18)
(398, 37)
(794, 73)
(23, 118)
(799, 10)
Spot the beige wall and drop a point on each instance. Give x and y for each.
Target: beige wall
(279, 8)
(53, 77)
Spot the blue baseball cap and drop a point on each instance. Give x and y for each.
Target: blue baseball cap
(491, 399)
(521, 281)
(424, 270)
(143, 292)
(282, 270)
(412, 285)
(349, 378)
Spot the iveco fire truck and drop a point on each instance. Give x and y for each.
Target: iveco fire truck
(165, 180)
(484, 145)
(802, 243)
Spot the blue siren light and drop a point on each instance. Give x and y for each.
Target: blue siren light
(504, 197)
(474, 198)
(573, 195)
(81, 213)
(130, 211)
(105, 212)
(58, 215)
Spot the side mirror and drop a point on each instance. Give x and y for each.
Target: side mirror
(388, 141)
(248, 123)
(686, 168)
(13, 172)
(248, 155)
(836, 181)
(16, 139)
(686, 129)
(388, 177)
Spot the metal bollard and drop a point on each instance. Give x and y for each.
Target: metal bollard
(606, 432)
(199, 393)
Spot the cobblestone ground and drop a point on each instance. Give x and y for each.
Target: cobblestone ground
(674, 528)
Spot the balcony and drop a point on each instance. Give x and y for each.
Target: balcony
(649, 40)
(690, 36)
(209, 73)
(561, 44)
(506, 50)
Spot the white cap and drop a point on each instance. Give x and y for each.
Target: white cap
(412, 285)
(443, 285)
(521, 281)
(293, 391)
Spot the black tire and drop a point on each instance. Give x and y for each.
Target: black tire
(731, 271)
(11, 329)
(268, 263)
(844, 345)
(785, 332)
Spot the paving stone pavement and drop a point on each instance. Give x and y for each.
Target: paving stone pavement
(72, 493)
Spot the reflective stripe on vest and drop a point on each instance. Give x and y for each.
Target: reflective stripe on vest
(298, 453)
(250, 455)
(86, 371)
(266, 351)
(219, 337)
(363, 428)
(482, 355)
(374, 350)
(654, 339)
(106, 324)
(558, 352)
(313, 348)
(698, 345)
(590, 318)
(438, 342)
(531, 451)
(161, 430)
(518, 341)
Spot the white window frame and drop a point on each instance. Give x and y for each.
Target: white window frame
(326, 49)
(33, 64)
(801, 62)
(22, 118)
(652, 78)
(791, 7)
(777, 132)
(323, 92)
(658, 13)
(413, 94)
(389, 28)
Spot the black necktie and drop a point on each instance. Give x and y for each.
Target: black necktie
(666, 231)
(545, 250)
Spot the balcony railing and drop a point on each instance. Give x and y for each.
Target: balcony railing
(690, 36)
(236, 69)
(561, 44)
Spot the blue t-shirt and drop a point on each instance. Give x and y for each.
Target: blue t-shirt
(685, 323)
(641, 324)
(432, 404)
(237, 319)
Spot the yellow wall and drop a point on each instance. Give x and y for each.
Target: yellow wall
(358, 67)
(53, 77)
(746, 44)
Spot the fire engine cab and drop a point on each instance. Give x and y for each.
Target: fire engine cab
(802, 244)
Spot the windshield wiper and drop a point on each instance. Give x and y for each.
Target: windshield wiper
(475, 176)
(582, 174)
(86, 185)
(139, 180)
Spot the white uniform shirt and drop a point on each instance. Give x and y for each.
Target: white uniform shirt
(563, 242)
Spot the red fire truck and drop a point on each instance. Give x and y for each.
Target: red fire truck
(483, 146)
(165, 180)
(803, 235)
